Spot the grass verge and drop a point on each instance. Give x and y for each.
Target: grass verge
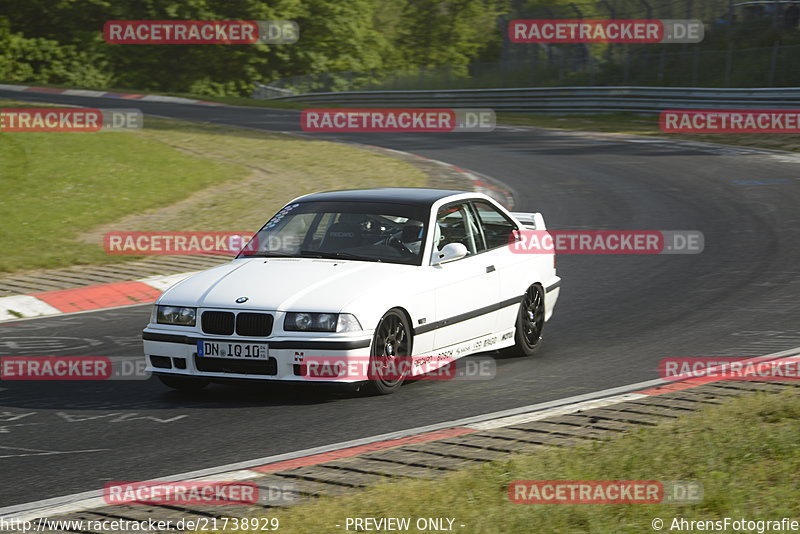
(624, 123)
(745, 453)
(60, 192)
(231, 100)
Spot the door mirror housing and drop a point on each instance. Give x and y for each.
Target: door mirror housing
(450, 252)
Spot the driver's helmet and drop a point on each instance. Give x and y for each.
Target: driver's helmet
(412, 235)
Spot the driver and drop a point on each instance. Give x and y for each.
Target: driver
(411, 235)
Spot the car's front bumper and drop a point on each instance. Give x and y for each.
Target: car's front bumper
(171, 353)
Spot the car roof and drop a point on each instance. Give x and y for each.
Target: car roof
(395, 195)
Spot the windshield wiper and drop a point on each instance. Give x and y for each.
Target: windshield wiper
(335, 255)
(265, 255)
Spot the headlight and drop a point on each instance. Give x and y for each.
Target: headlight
(321, 322)
(176, 315)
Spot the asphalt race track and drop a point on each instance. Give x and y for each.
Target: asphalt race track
(616, 318)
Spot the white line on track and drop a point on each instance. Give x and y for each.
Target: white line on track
(18, 306)
(240, 470)
(39, 452)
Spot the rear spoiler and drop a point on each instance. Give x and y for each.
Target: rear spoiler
(531, 221)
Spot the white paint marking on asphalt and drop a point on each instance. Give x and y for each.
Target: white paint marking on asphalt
(30, 307)
(4, 429)
(39, 452)
(25, 305)
(69, 315)
(239, 471)
(395, 151)
(786, 158)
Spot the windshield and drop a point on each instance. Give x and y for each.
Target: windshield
(361, 231)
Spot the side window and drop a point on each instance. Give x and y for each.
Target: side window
(455, 224)
(494, 224)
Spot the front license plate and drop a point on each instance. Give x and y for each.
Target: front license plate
(224, 349)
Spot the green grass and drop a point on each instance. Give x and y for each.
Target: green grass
(281, 168)
(55, 185)
(60, 192)
(746, 453)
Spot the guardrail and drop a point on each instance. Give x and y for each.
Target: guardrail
(569, 99)
(265, 92)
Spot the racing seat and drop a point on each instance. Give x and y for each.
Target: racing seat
(343, 234)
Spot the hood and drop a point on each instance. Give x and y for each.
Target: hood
(299, 284)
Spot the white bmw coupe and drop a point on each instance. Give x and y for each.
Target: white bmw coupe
(384, 277)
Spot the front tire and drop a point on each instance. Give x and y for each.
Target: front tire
(530, 323)
(183, 383)
(390, 354)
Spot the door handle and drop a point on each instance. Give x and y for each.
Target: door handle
(490, 269)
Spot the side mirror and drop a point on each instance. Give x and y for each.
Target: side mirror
(450, 252)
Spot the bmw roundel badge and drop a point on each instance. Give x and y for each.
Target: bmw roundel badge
(241, 299)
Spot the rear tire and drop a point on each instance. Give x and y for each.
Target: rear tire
(183, 383)
(529, 324)
(390, 354)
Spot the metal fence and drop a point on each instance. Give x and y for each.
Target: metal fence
(570, 99)
(775, 66)
(548, 65)
(651, 9)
